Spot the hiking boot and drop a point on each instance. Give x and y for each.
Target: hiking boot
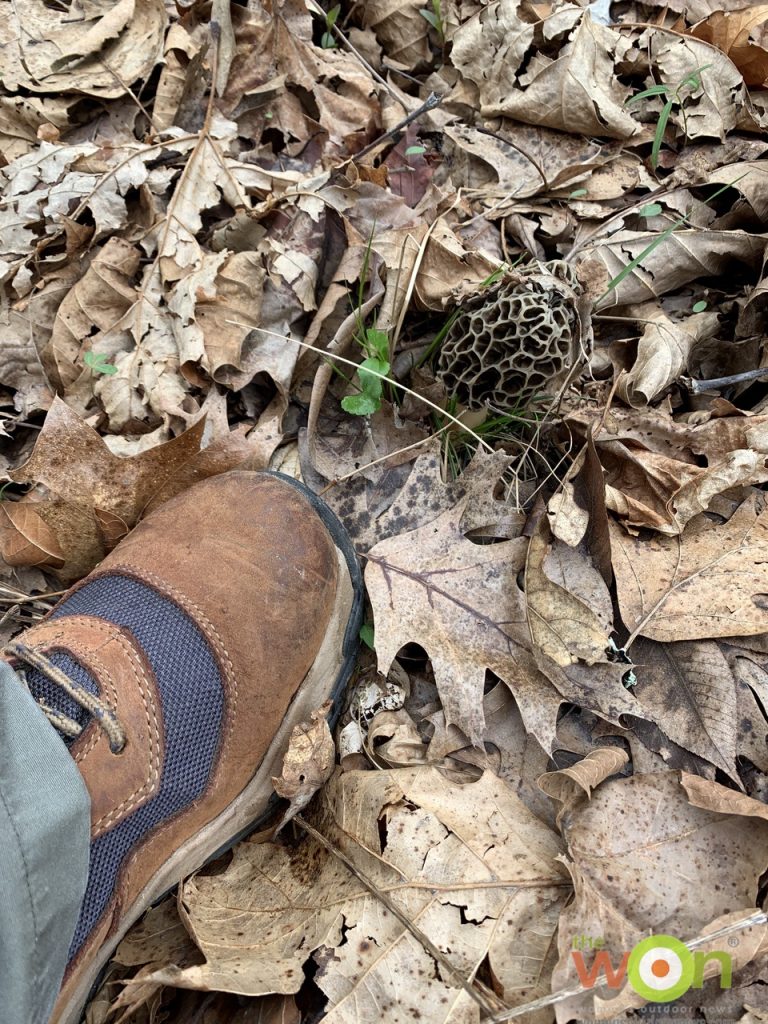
(176, 672)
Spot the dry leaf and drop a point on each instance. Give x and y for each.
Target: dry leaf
(660, 473)
(639, 878)
(460, 600)
(425, 841)
(675, 260)
(569, 785)
(95, 304)
(750, 178)
(709, 582)
(103, 495)
(400, 28)
(568, 603)
(449, 267)
(463, 603)
(662, 354)
(45, 49)
(25, 538)
(516, 161)
(307, 764)
(578, 91)
(730, 32)
(722, 102)
(690, 691)
(25, 328)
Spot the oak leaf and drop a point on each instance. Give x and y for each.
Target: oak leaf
(97, 496)
(634, 868)
(711, 581)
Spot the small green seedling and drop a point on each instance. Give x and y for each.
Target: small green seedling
(366, 634)
(650, 210)
(327, 41)
(97, 362)
(700, 306)
(434, 17)
(674, 96)
(577, 193)
(368, 401)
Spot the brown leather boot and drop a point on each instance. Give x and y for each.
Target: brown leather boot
(177, 671)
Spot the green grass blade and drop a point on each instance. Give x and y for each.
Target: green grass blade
(661, 127)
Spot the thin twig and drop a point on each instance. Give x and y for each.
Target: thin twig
(696, 387)
(33, 599)
(432, 101)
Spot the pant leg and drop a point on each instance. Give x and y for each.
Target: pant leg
(44, 849)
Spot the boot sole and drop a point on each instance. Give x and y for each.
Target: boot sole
(256, 803)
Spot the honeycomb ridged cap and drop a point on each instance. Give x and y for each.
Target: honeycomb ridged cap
(515, 340)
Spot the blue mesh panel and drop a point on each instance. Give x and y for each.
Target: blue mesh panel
(192, 697)
(43, 689)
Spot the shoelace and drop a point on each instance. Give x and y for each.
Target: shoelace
(95, 706)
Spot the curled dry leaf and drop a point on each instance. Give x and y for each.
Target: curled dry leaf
(44, 49)
(448, 268)
(720, 104)
(99, 495)
(568, 603)
(577, 91)
(662, 354)
(95, 304)
(730, 32)
(569, 785)
(401, 29)
(25, 327)
(307, 764)
(709, 582)
(660, 473)
(471, 865)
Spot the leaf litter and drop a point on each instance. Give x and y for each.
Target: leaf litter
(211, 216)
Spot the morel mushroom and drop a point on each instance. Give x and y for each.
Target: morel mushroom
(516, 339)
